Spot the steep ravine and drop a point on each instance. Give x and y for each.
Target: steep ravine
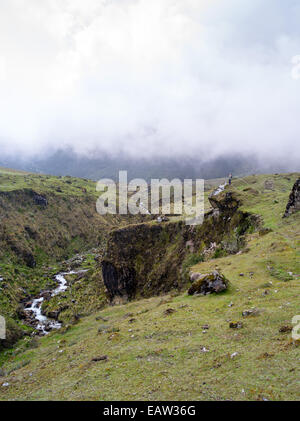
(148, 259)
(36, 228)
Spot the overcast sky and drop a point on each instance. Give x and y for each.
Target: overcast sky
(150, 77)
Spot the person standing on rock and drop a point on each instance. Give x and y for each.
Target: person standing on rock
(229, 179)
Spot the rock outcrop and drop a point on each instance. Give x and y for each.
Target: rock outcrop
(225, 202)
(294, 200)
(207, 283)
(39, 199)
(149, 259)
(119, 281)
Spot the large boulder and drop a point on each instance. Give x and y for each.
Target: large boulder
(294, 200)
(207, 283)
(39, 199)
(225, 201)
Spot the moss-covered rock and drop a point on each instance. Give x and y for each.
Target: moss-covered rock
(226, 201)
(148, 259)
(208, 283)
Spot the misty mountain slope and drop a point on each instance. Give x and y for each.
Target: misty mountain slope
(203, 83)
(66, 162)
(144, 350)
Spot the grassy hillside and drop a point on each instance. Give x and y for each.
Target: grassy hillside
(154, 354)
(44, 220)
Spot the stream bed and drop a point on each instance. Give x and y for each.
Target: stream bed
(44, 324)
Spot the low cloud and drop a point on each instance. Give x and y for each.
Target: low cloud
(150, 78)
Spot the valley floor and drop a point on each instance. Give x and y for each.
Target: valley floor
(155, 356)
(145, 351)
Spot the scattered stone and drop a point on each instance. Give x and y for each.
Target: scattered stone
(242, 274)
(269, 185)
(208, 283)
(235, 354)
(217, 365)
(204, 349)
(101, 318)
(113, 330)
(205, 327)
(113, 335)
(251, 312)
(131, 320)
(265, 355)
(104, 329)
(235, 325)
(266, 292)
(169, 311)
(5, 384)
(285, 329)
(100, 358)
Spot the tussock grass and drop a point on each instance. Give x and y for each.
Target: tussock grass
(153, 355)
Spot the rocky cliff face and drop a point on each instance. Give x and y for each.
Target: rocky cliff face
(148, 259)
(35, 226)
(294, 200)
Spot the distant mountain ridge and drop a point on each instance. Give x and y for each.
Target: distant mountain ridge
(104, 166)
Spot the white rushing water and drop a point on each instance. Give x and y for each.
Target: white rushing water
(219, 189)
(36, 306)
(43, 321)
(62, 282)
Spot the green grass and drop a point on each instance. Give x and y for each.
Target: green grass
(63, 186)
(68, 225)
(160, 357)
